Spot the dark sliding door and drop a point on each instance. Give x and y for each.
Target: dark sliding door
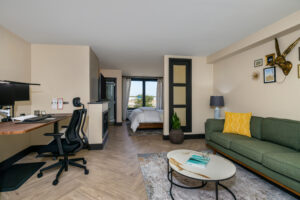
(111, 96)
(180, 91)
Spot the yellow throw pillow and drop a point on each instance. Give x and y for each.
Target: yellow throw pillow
(238, 123)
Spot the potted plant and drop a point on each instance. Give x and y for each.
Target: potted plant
(176, 134)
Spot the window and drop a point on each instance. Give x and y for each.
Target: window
(136, 94)
(142, 93)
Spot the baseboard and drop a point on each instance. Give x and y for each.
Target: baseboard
(35, 148)
(186, 137)
(194, 136)
(99, 146)
(96, 147)
(18, 156)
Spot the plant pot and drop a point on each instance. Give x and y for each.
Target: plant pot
(176, 136)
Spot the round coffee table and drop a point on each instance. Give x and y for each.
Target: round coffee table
(218, 169)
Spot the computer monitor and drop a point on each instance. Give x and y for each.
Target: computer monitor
(6, 95)
(11, 92)
(21, 92)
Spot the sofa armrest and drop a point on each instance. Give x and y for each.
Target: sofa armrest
(213, 125)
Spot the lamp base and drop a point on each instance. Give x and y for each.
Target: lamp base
(217, 113)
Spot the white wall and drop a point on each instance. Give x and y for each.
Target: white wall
(282, 27)
(232, 78)
(62, 71)
(14, 66)
(142, 70)
(202, 89)
(94, 75)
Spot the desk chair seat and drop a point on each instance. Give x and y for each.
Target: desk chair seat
(52, 147)
(68, 146)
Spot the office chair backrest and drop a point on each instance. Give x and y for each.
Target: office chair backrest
(76, 102)
(76, 125)
(72, 133)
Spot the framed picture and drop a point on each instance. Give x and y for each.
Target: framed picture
(258, 62)
(298, 70)
(270, 75)
(270, 58)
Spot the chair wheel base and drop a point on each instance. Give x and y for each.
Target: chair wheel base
(55, 182)
(86, 172)
(84, 162)
(40, 175)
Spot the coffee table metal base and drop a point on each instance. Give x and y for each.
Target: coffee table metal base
(170, 178)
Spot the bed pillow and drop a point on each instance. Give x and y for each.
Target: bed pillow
(237, 123)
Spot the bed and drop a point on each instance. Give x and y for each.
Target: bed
(146, 118)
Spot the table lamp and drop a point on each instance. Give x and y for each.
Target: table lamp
(217, 102)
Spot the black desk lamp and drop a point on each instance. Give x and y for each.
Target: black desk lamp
(217, 101)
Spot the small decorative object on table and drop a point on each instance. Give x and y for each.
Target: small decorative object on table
(217, 101)
(176, 134)
(37, 112)
(198, 161)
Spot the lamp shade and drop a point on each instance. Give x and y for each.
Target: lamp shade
(216, 101)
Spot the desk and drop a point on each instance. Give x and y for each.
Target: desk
(10, 128)
(13, 176)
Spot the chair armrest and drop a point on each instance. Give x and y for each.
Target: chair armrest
(57, 137)
(54, 134)
(213, 125)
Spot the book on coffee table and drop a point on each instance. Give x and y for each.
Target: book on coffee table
(198, 161)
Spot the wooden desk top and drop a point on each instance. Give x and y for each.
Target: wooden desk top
(10, 128)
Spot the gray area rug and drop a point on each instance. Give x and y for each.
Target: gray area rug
(141, 132)
(245, 184)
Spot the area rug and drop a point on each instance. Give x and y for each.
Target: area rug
(245, 184)
(142, 132)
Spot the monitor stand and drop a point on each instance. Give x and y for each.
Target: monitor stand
(7, 119)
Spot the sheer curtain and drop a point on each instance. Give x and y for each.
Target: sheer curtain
(159, 94)
(126, 92)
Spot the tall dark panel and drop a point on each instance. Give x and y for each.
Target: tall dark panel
(180, 91)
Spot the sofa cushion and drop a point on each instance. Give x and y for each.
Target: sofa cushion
(224, 139)
(287, 164)
(254, 148)
(238, 123)
(255, 126)
(214, 125)
(282, 131)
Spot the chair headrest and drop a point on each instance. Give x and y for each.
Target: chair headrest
(76, 102)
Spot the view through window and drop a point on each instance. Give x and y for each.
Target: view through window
(142, 93)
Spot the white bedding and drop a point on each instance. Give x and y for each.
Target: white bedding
(145, 115)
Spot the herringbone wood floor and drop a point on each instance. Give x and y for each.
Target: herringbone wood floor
(114, 171)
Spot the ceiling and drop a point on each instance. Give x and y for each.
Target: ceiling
(133, 35)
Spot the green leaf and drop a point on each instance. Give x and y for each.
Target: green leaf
(175, 121)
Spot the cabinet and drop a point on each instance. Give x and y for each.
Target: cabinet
(97, 124)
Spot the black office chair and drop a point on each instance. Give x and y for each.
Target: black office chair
(72, 143)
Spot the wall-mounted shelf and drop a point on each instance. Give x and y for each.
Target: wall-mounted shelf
(14, 82)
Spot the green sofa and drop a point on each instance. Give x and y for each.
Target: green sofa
(273, 151)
